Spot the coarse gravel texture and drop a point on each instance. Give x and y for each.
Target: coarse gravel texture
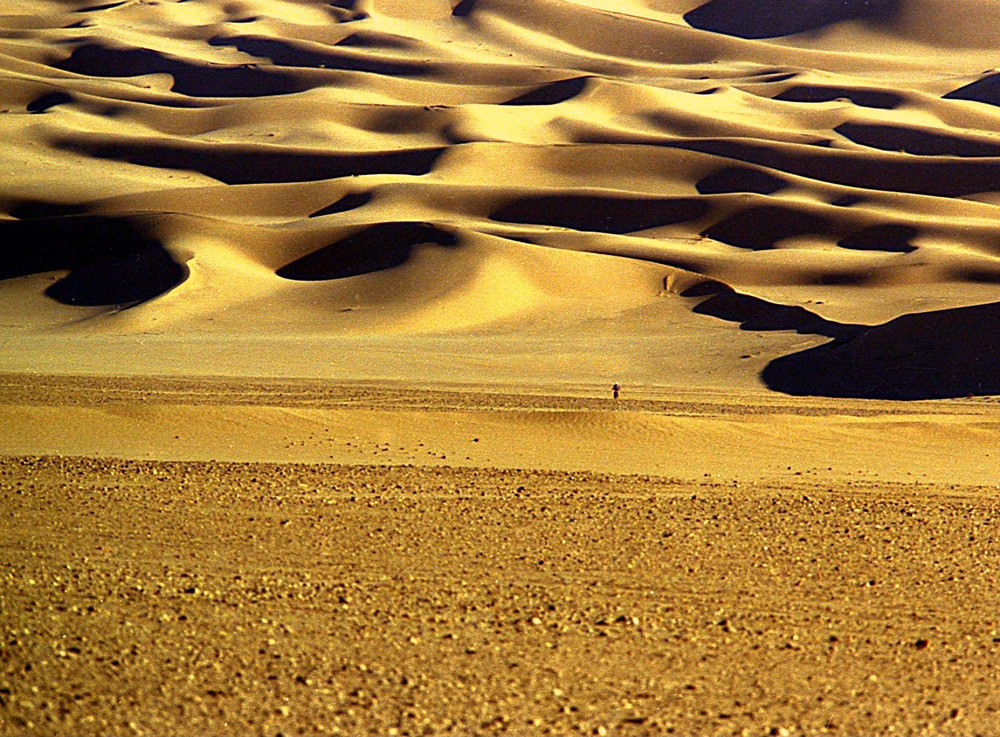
(150, 597)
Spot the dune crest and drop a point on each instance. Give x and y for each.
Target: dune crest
(485, 168)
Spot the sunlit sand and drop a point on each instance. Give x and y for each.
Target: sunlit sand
(310, 314)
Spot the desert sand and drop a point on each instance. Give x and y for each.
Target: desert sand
(719, 195)
(238, 556)
(309, 317)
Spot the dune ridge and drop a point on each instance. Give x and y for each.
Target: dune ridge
(382, 167)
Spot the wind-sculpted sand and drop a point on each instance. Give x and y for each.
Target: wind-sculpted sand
(727, 194)
(310, 312)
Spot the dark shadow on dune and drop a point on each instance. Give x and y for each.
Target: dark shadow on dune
(375, 248)
(464, 8)
(284, 53)
(111, 261)
(772, 77)
(733, 179)
(552, 93)
(34, 209)
(847, 200)
(350, 201)
(759, 228)
(237, 164)
(859, 96)
(400, 119)
(754, 313)
(929, 176)
(773, 18)
(975, 275)
(892, 238)
(194, 80)
(917, 142)
(47, 102)
(602, 214)
(345, 11)
(930, 355)
(373, 40)
(985, 90)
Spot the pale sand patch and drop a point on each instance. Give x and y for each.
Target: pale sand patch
(672, 433)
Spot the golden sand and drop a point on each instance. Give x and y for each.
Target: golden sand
(644, 192)
(456, 568)
(309, 317)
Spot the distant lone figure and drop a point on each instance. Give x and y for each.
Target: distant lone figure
(614, 390)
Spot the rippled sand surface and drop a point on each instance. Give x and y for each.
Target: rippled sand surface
(728, 194)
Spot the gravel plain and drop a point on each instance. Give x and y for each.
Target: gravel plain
(154, 597)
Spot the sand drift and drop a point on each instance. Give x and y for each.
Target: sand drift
(673, 174)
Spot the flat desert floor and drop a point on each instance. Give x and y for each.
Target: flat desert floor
(438, 560)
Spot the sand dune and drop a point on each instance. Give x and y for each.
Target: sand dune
(433, 169)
